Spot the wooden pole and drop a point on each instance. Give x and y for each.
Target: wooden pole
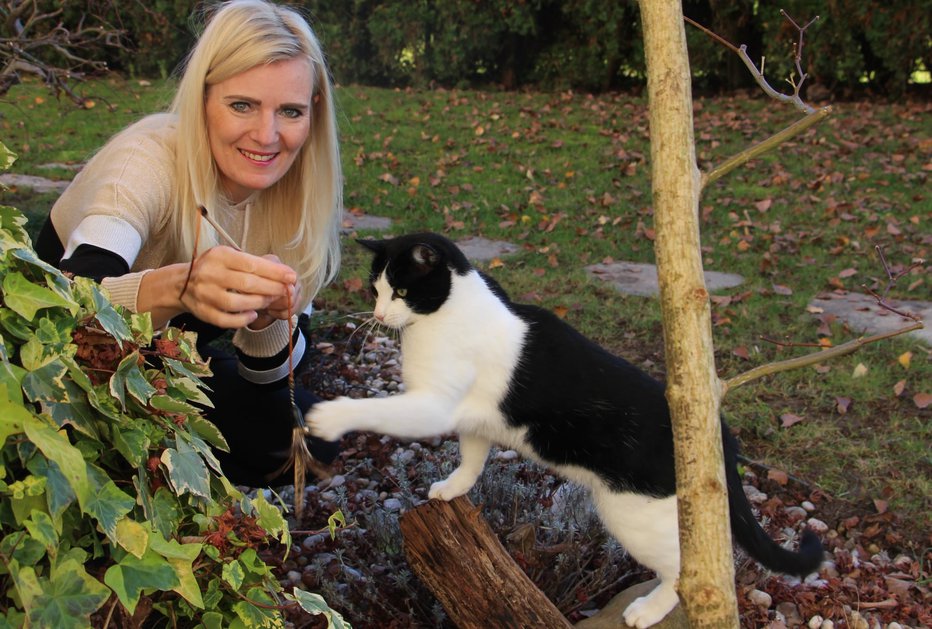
(706, 586)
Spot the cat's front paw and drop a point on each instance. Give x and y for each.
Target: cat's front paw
(449, 489)
(328, 420)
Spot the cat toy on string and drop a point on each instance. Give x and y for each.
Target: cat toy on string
(299, 456)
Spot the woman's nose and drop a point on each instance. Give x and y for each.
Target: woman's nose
(266, 129)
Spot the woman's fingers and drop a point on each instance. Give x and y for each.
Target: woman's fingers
(228, 287)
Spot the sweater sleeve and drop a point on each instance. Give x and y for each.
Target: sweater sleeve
(263, 354)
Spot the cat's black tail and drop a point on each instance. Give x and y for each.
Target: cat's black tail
(750, 536)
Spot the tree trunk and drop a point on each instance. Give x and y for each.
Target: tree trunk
(706, 587)
(456, 554)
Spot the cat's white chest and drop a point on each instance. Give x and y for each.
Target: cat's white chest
(470, 349)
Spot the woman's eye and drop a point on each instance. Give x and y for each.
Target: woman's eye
(291, 112)
(239, 106)
(401, 292)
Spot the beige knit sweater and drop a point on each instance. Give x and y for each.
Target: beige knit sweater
(121, 201)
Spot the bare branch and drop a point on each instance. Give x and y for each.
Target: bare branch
(811, 359)
(840, 350)
(39, 43)
(816, 116)
(892, 278)
(758, 73)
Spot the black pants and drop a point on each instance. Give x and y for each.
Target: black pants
(257, 422)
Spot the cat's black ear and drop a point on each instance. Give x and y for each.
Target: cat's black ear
(375, 246)
(425, 255)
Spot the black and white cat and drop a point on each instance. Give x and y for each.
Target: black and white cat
(496, 372)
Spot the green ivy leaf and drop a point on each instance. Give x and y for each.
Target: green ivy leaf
(181, 558)
(42, 529)
(186, 470)
(171, 405)
(335, 521)
(255, 616)
(13, 417)
(165, 512)
(26, 298)
(234, 574)
(131, 442)
(130, 378)
(69, 597)
(17, 327)
(56, 447)
(108, 505)
(22, 548)
(315, 604)
(133, 575)
(132, 536)
(270, 518)
(208, 430)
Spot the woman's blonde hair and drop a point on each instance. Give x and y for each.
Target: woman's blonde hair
(303, 209)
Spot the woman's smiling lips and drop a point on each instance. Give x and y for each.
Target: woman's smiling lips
(258, 157)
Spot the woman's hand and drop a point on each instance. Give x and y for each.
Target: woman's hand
(226, 287)
(281, 308)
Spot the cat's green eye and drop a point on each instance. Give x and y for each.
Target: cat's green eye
(401, 292)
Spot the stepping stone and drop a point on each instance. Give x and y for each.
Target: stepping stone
(39, 184)
(635, 278)
(482, 249)
(863, 314)
(352, 221)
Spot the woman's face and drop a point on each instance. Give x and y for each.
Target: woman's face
(257, 122)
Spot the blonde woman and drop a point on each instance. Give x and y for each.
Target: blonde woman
(251, 138)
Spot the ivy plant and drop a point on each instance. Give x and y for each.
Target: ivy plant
(114, 509)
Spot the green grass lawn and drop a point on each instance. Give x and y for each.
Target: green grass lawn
(566, 177)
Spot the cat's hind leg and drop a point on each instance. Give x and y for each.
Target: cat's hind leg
(648, 529)
(473, 453)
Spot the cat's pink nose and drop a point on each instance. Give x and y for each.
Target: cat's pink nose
(379, 315)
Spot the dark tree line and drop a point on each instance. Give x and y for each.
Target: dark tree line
(586, 45)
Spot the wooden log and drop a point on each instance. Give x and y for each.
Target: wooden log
(455, 553)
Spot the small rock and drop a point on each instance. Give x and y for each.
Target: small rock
(506, 455)
(754, 495)
(857, 621)
(894, 625)
(294, 577)
(392, 504)
(760, 598)
(828, 624)
(790, 614)
(808, 506)
(815, 622)
(796, 514)
(817, 525)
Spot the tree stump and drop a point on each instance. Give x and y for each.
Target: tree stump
(455, 553)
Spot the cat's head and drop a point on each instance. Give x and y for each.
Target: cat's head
(412, 275)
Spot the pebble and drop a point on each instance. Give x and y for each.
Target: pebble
(760, 598)
(392, 504)
(294, 577)
(506, 455)
(857, 621)
(790, 613)
(817, 525)
(796, 514)
(754, 495)
(815, 622)
(808, 506)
